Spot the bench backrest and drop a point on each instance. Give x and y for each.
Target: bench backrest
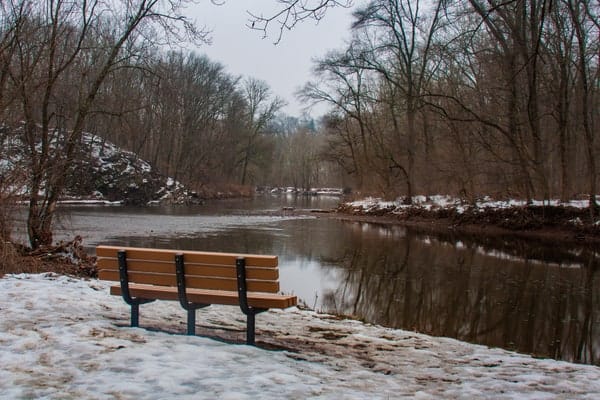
(203, 270)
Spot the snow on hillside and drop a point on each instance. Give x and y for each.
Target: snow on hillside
(104, 173)
(68, 338)
(109, 172)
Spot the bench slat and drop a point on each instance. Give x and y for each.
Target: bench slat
(195, 257)
(198, 282)
(258, 300)
(190, 269)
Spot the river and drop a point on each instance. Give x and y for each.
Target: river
(521, 295)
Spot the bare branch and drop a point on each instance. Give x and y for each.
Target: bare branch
(290, 13)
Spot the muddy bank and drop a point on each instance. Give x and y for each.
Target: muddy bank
(554, 224)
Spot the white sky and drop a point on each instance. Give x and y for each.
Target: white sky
(286, 67)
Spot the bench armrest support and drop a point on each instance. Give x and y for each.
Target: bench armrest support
(240, 264)
(124, 281)
(182, 294)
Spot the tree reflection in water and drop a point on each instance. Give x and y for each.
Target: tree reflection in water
(520, 297)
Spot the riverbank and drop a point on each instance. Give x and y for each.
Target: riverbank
(554, 223)
(67, 337)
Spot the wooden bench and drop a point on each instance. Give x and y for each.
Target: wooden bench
(196, 279)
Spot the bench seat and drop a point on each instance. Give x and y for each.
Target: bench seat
(257, 300)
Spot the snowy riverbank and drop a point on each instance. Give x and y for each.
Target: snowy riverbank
(554, 221)
(67, 338)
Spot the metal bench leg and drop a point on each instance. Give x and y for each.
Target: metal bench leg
(182, 294)
(191, 321)
(250, 312)
(135, 310)
(135, 315)
(133, 302)
(250, 328)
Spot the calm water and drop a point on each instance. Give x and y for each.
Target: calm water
(525, 296)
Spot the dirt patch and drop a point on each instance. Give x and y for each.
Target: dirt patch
(548, 223)
(65, 258)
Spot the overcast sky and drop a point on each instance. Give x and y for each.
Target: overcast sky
(285, 66)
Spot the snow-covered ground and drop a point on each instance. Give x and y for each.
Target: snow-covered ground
(443, 201)
(66, 338)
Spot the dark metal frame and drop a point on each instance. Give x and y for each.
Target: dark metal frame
(240, 264)
(182, 293)
(191, 307)
(133, 302)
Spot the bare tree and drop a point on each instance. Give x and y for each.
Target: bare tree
(72, 48)
(587, 32)
(398, 42)
(261, 110)
(559, 44)
(348, 87)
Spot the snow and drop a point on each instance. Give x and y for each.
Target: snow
(110, 167)
(371, 204)
(63, 337)
(444, 202)
(92, 202)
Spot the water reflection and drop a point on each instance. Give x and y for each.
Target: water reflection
(462, 291)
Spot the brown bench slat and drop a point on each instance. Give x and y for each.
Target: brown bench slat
(190, 269)
(194, 257)
(197, 282)
(258, 300)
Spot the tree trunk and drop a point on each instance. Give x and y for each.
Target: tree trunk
(586, 108)
(411, 133)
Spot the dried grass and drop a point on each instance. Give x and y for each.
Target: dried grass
(8, 255)
(65, 258)
(15, 259)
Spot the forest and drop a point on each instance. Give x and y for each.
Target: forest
(471, 98)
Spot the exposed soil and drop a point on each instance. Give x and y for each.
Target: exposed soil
(65, 258)
(550, 223)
